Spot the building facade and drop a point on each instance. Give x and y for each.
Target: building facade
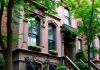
(43, 40)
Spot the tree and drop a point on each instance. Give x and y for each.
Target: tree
(88, 12)
(13, 8)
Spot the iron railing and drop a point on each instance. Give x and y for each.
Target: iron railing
(71, 63)
(29, 64)
(94, 65)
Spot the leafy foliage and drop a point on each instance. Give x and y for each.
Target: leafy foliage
(50, 5)
(81, 65)
(61, 67)
(80, 55)
(71, 30)
(53, 51)
(84, 10)
(34, 46)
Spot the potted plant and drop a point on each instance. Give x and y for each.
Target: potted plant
(34, 47)
(62, 67)
(53, 52)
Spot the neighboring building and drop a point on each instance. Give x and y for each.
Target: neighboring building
(43, 40)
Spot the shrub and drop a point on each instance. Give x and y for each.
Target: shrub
(61, 67)
(80, 55)
(34, 48)
(81, 65)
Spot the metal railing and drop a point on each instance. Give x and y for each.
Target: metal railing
(94, 65)
(54, 68)
(71, 63)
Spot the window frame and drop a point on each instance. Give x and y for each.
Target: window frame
(68, 17)
(37, 34)
(50, 41)
(92, 53)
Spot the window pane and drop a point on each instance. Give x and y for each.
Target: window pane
(79, 44)
(66, 12)
(99, 42)
(67, 20)
(51, 45)
(32, 25)
(51, 33)
(51, 37)
(34, 30)
(91, 53)
(32, 40)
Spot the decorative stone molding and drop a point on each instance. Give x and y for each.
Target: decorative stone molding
(52, 21)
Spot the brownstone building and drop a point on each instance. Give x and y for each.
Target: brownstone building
(43, 40)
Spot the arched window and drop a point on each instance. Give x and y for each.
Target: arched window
(51, 37)
(33, 31)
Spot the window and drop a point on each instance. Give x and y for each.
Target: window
(67, 16)
(51, 37)
(92, 52)
(99, 41)
(34, 31)
(62, 43)
(79, 45)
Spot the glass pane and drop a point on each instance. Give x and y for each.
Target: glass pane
(67, 20)
(51, 33)
(91, 53)
(62, 37)
(91, 44)
(32, 40)
(32, 25)
(51, 45)
(79, 44)
(99, 42)
(66, 12)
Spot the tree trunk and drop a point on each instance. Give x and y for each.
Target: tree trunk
(8, 59)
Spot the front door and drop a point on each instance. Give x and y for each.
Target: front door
(69, 46)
